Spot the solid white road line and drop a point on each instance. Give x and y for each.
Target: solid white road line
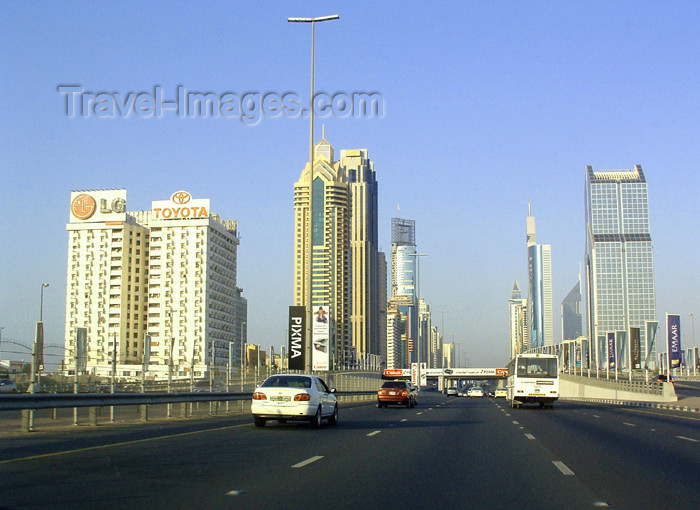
(688, 439)
(562, 467)
(308, 461)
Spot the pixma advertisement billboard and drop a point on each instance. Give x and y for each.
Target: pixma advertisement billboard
(297, 333)
(673, 330)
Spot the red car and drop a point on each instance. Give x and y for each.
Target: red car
(397, 392)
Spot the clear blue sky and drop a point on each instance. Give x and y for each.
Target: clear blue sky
(487, 105)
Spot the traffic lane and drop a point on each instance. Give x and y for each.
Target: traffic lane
(159, 471)
(70, 437)
(353, 464)
(631, 465)
(687, 389)
(444, 453)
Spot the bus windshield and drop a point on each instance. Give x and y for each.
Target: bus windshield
(537, 367)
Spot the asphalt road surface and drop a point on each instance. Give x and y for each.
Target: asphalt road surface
(446, 453)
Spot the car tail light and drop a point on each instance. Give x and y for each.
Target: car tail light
(302, 397)
(259, 396)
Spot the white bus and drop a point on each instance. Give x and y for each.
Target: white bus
(533, 379)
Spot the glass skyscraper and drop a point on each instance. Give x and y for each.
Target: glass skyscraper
(539, 305)
(571, 314)
(620, 294)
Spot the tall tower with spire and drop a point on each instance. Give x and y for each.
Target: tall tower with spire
(330, 241)
(539, 306)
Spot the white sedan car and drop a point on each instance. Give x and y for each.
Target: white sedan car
(476, 391)
(295, 397)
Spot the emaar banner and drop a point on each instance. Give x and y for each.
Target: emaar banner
(673, 332)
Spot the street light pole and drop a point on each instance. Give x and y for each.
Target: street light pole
(41, 309)
(309, 252)
(695, 354)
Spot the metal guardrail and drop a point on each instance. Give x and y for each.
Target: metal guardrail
(27, 401)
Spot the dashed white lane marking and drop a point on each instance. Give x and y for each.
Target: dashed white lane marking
(235, 493)
(596, 416)
(374, 433)
(600, 504)
(307, 461)
(562, 467)
(529, 436)
(405, 419)
(629, 424)
(419, 413)
(515, 422)
(688, 439)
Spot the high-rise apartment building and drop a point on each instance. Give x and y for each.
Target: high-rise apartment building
(539, 307)
(404, 261)
(168, 274)
(400, 310)
(382, 308)
(450, 355)
(403, 257)
(331, 250)
(365, 294)
(517, 314)
(620, 289)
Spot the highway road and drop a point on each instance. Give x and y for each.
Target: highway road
(445, 453)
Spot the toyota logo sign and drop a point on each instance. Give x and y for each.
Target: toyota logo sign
(181, 197)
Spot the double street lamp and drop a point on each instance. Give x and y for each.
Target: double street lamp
(309, 254)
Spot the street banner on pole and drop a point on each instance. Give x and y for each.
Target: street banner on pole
(611, 350)
(81, 350)
(297, 330)
(673, 331)
(636, 346)
(321, 333)
(39, 347)
(147, 351)
(651, 329)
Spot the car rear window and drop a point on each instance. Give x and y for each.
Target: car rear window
(394, 384)
(287, 381)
